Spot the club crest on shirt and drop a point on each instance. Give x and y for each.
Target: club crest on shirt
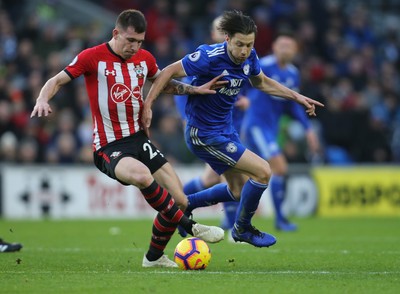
(139, 71)
(194, 56)
(231, 147)
(246, 69)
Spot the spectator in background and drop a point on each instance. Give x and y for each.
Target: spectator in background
(8, 147)
(28, 150)
(161, 23)
(64, 144)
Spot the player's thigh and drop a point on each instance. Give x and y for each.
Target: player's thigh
(278, 164)
(131, 171)
(254, 167)
(168, 179)
(210, 177)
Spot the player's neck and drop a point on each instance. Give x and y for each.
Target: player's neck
(232, 58)
(114, 48)
(282, 63)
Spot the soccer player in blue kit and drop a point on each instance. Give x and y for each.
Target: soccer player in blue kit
(209, 177)
(260, 127)
(209, 131)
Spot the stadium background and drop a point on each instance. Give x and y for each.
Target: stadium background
(349, 59)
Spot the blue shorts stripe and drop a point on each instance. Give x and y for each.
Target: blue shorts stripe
(215, 152)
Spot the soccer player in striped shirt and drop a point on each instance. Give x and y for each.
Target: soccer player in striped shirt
(209, 131)
(115, 73)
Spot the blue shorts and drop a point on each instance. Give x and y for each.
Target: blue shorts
(180, 103)
(220, 151)
(261, 141)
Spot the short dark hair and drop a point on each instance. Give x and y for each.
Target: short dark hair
(235, 21)
(285, 33)
(132, 18)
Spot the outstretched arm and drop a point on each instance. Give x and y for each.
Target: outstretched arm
(48, 91)
(163, 83)
(269, 86)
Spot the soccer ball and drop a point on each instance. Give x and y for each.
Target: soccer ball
(192, 254)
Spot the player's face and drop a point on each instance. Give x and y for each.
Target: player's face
(239, 46)
(127, 42)
(285, 49)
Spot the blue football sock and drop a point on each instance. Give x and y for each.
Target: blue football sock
(230, 209)
(210, 196)
(278, 195)
(193, 186)
(249, 200)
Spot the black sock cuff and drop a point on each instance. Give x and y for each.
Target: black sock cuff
(154, 254)
(187, 224)
(150, 189)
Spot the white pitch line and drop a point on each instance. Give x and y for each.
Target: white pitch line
(272, 272)
(206, 272)
(76, 249)
(241, 250)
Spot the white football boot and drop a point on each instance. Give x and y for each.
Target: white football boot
(208, 233)
(163, 261)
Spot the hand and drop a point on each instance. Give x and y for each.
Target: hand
(308, 103)
(41, 107)
(208, 88)
(147, 115)
(242, 103)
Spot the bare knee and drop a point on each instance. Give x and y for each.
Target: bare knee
(141, 180)
(263, 175)
(134, 174)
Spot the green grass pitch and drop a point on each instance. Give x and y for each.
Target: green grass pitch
(353, 255)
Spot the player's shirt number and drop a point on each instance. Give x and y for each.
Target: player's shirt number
(152, 153)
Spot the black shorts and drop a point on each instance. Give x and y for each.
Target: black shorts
(137, 146)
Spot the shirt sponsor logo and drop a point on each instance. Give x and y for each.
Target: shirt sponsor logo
(120, 93)
(137, 92)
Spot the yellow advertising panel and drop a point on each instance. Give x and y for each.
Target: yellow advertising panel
(358, 191)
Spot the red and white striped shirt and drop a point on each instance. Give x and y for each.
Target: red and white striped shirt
(115, 89)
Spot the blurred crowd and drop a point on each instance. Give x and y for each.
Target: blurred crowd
(349, 59)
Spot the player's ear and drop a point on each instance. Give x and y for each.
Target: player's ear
(227, 37)
(115, 33)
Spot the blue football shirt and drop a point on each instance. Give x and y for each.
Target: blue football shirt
(265, 110)
(214, 112)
